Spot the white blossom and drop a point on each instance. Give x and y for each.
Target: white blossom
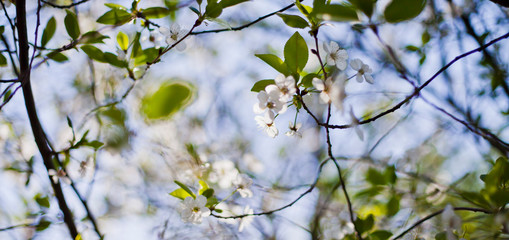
(242, 183)
(194, 210)
(270, 99)
(336, 56)
(267, 124)
(59, 174)
(362, 70)
(451, 221)
(294, 130)
(223, 173)
(246, 221)
(173, 35)
(337, 93)
(325, 88)
(285, 86)
(121, 54)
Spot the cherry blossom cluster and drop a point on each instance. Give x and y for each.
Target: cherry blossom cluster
(273, 101)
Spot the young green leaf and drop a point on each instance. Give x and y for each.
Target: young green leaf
(93, 53)
(260, 85)
(49, 31)
(336, 12)
(57, 56)
(170, 98)
(275, 62)
(366, 6)
(293, 20)
(180, 194)
(115, 17)
(401, 10)
(183, 186)
(3, 60)
(71, 25)
(296, 53)
(92, 37)
(113, 60)
(229, 3)
(155, 12)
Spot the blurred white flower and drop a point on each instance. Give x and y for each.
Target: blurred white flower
(362, 70)
(355, 123)
(194, 210)
(267, 124)
(286, 87)
(173, 35)
(336, 56)
(294, 130)
(242, 183)
(325, 89)
(223, 173)
(246, 221)
(451, 221)
(252, 163)
(270, 99)
(59, 175)
(7, 4)
(337, 93)
(120, 54)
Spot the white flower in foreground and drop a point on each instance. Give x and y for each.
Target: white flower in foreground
(223, 173)
(267, 124)
(337, 93)
(194, 210)
(246, 221)
(325, 89)
(242, 182)
(362, 70)
(336, 56)
(294, 130)
(173, 35)
(451, 221)
(286, 87)
(355, 123)
(270, 99)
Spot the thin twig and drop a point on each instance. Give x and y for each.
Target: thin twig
(17, 226)
(64, 6)
(437, 213)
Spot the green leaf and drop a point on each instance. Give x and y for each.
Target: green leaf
(390, 174)
(155, 12)
(113, 60)
(260, 85)
(204, 187)
(136, 50)
(307, 81)
(115, 17)
(380, 235)
(57, 56)
(229, 3)
(94, 144)
(366, 6)
(293, 20)
(213, 9)
(180, 193)
(208, 193)
(148, 55)
(306, 10)
(412, 48)
(92, 37)
(366, 224)
(49, 31)
(441, 236)
(115, 6)
(336, 12)
(296, 53)
(123, 41)
(42, 225)
(183, 186)
(2, 29)
(93, 53)
(71, 25)
(3, 60)
(170, 98)
(275, 62)
(393, 206)
(375, 177)
(401, 10)
(43, 201)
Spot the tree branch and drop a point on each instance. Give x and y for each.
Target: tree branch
(38, 132)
